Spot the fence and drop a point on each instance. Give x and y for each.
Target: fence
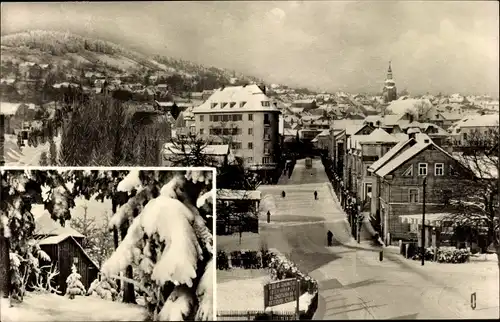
(254, 315)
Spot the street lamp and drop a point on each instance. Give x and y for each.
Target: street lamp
(424, 184)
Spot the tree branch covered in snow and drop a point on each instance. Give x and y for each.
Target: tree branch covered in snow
(167, 239)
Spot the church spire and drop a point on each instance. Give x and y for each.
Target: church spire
(389, 71)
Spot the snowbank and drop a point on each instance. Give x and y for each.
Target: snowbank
(51, 307)
(248, 295)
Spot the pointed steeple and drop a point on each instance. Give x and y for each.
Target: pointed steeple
(389, 71)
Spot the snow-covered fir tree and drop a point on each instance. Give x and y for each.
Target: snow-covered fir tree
(74, 284)
(169, 243)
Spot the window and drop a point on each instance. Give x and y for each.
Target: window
(202, 131)
(225, 118)
(368, 190)
(242, 104)
(266, 119)
(213, 105)
(236, 145)
(75, 260)
(408, 172)
(422, 169)
(367, 173)
(250, 145)
(439, 169)
(267, 160)
(250, 117)
(222, 105)
(265, 103)
(232, 104)
(413, 195)
(250, 131)
(249, 159)
(201, 118)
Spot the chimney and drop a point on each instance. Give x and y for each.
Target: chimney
(262, 88)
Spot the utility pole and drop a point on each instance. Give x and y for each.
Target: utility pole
(424, 184)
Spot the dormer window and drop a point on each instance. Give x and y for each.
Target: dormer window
(213, 105)
(232, 104)
(265, 103)
(223, 104)
(242, 104)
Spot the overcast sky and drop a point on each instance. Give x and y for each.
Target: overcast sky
(434, 46)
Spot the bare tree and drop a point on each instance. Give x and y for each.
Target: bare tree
(189, 151)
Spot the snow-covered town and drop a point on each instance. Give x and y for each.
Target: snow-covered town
(356, 163)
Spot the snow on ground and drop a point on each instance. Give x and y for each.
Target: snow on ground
(249, 241)
(28, 155)
(248, 295)
(51, 307)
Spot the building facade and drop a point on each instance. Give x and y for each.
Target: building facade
(245, 118)
(398, 183)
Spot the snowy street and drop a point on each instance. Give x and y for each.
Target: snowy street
(353, 283)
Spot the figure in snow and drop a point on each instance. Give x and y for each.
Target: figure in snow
(283, 194)
(329, 237)
(315, 195)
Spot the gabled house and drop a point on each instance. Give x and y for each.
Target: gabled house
(397, 185)
(63, 245)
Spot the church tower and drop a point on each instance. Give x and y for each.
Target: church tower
(389, 92)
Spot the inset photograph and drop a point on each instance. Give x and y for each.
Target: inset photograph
(108, 244)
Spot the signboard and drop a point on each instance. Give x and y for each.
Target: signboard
(281, 292)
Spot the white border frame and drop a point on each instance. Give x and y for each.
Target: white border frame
(214, 190)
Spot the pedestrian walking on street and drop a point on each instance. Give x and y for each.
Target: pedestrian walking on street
(315, 195)
(329, 238)
(283, 194)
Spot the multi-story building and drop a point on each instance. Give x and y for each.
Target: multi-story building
(363, 151)
(247, 119)
(473, 128)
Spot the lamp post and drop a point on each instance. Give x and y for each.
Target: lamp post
(424, 184)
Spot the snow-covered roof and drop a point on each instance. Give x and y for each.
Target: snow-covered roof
(9, 108)
(54, 240)
(402, 158)
(289, 132)
(379, 135)
(479, 120)
(229, 194)
(408, 105)
(388, 156)
(351, 126)
(45, 225)
(236, 99)
(297, 110)
(222, 149)
(423, 142)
